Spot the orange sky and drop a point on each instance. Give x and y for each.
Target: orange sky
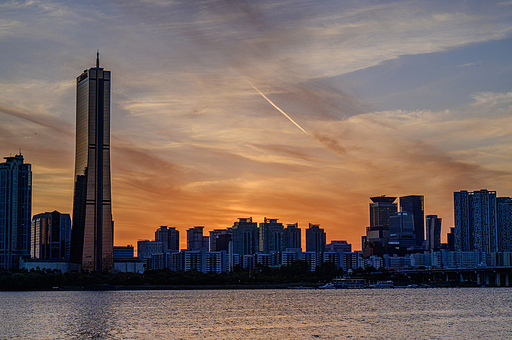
(399, 98)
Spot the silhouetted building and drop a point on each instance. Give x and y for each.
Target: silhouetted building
(414, 204)
(504, 223)
(196, 240)
(92, 231)
(433, 224)
(336, 246)
(476, 221)
(50, 237)
(292, 236)
(380, 210)
(271, 236)
(219, 239)
(15, 211)
(401, 230)
(450, 239)
(170, 238)
(245, 237)
(315, 239)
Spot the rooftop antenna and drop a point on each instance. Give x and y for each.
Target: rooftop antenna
(98, 58)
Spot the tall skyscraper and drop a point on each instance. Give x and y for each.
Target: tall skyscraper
(219, 239)
(476, 221)
(196, 240)
(401, 230)
(505, 223)
(414, 204)
(433, 224)
(315, 239)
(15, 211)
(92, 230)
(50, 236)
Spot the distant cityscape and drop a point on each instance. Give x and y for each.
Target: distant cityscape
(399, 236)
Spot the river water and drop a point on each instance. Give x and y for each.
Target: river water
(434, 313)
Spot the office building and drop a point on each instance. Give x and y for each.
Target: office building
(339, 246)
(15, 211)
(92, 229)
(433, 228)
(414, 204)
(380, 209)
(401, 230)
(50, 236)
(315, 239)
(245, 237)
(292, 236)
(271, 236)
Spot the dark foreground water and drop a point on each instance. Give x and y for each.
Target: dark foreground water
(451, 313)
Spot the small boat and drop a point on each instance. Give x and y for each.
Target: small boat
(383, 284)
(329, 285)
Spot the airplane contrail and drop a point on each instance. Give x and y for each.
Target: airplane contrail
(274, 105)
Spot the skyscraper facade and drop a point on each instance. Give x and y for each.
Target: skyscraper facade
(92, 229)
(15, 211)
(414, 204)
(244, 234)
(476, 221)
(196, 240)
(504, 223)
(50, 236)
(271, 236)
(315, 239)
(380, 209)
(292, 236)
(170, 238)
(433, 227)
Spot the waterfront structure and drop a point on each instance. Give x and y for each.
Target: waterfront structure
(433, 228)
(50, 236)
(245, 237)
(15, 211)
(170, 238)
(414, 204)
(292, 236)
(271, 236)
(92, 230)
(476, 221)
(196, 240)
(315, 239)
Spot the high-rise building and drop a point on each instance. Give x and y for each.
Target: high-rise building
(15, 211)
(92, 229)
(476, 221)
(170, 238)
(401, 230)
(414, 204)
(292, 236)
(380, 209)
(433, 224)
(315, 239)
(504, 223)
(196, 240)
(245, 237)
(271, 236)
(50, 236)
(219, 239)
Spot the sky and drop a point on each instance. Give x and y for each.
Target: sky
(388, 98)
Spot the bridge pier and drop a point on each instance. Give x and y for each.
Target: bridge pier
(506, 280)
(498, 279)
(461, 278)
(478, 280)
(486, 279)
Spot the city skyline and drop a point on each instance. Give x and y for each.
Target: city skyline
(399, 98)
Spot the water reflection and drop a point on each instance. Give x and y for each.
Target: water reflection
(259, 314)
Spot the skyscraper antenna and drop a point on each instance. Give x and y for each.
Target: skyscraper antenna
(98, 58)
